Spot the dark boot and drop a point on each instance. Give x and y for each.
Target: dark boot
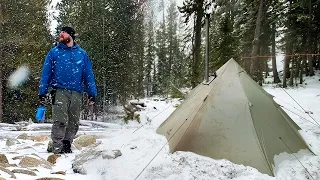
(66, 147)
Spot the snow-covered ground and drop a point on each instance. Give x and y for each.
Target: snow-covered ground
(145, 154)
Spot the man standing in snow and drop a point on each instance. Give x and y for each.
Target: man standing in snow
(66, 70)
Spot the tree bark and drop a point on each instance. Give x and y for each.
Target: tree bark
(310, 45)
(1, 59)
(197, 43)
(286, 66)
(276, 78)
(255, 65)
(266, 67)
(1, 86)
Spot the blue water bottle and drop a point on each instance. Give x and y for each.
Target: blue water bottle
(41, 112)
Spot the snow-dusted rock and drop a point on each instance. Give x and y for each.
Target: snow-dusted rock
(18, 157)
(33, 162)
(3, 159)
(49, 178)
(59, 172)
(53, 158)
(24, 171)
(83, 157)
(111, 154)
(85, 141)
(38, 144)
(5, 165)
(10, 141)
(40, 138)
(8, 172)
(23, 136)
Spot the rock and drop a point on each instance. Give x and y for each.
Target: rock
(8, 172)
(111, 154)
(23, 136)
(41, 138)
(24, 147)
(27, 162)
(10, 142)
(49, 148)
(53, 158)
(85, 140)
(133, 147)
(38, 144)
(18, 157)
(77, 146)
(23, 171)
(59, 172)
(49, 178)
(1, 178)
(3, 159)
(5, 165)
(83, 157)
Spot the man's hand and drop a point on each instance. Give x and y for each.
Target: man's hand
(42, 99)
(91, 100)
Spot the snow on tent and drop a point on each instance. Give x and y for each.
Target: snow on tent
(233, 118)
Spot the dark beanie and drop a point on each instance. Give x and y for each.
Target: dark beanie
(69, 30)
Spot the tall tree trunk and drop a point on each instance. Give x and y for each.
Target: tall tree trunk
(1, 85)
(276, 78)
(298, 70)
(1, 59)
(266, 67)
(197, 44)
(292, 72)
(255, 65)
(310, 45)
(286, 65)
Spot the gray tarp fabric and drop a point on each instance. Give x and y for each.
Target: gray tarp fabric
(233, 118)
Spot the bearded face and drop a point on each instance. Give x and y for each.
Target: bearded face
(64, 37)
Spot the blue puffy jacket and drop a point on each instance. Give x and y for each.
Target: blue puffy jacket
(67, 68)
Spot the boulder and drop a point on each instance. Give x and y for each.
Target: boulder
(5, 165)
(23, 171)
(8, 172)
(3, 159)
(23, 136)
(84, 141)
(111, 154)
(18, 157)
(40, 138)
(53, 158)
(59, 172)
(27, 162)
(38, 144)
(83, 157)
(89, 154)
(10, 142)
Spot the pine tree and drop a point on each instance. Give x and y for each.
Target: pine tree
(150, 59)
(108, 31)
(175, 68)
(25, 39)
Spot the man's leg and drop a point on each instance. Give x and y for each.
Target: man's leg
(60, 119)
(74, 116)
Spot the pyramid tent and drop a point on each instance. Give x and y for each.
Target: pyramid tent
(233, 118)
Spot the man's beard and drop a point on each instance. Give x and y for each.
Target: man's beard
(65, 40)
